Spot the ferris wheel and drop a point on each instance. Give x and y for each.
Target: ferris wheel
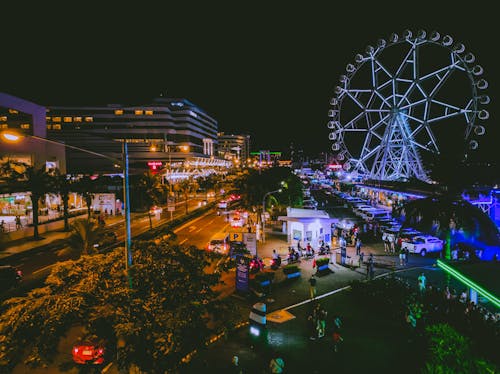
(403, 100)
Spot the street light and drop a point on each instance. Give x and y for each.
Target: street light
(264, 209)
(14, 138)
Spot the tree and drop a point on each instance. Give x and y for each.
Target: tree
(62, 185)
(87, 187)
(84, 234)
(37, 181)
(151, 190)
(164, 317)
(185, 187)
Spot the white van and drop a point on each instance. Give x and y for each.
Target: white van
(371, 216)
(368, 214)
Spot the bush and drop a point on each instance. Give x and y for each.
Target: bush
(261, 277)
(289, 269)
(322, 261)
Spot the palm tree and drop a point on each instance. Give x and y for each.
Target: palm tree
(87, 187)
(185, 187)
(84, 234)
(152, 190)
(63, 186)
(35, 180)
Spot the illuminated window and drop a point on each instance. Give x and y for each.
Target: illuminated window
(13, 111)
(139, 112)
(149, 112)
(118, 112)
(56, 119)
(3, 118)
(25, 125)
(77, 119)
(56, 126)
(68, 119)
(49, 127)
(89, 119)
(4, 126)
(48, 118)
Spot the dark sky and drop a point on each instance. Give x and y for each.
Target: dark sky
(259, 68)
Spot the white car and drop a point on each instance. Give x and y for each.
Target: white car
(423, 244)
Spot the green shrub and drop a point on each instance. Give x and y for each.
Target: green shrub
(322, 261)
(289, 269)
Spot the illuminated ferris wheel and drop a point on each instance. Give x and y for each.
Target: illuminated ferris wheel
(404, 100)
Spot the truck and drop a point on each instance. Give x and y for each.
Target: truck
(423, 245)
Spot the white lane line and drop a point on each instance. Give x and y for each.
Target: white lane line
(191, 228)
(201, 228)
(209, 223)
(183, 241)
(42, 269)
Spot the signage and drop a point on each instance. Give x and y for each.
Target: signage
(154, 166)
(171, 208)
(236, 236)
(250, 240)
(242, 273)
(335, 166)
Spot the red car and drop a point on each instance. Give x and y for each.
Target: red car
(88, 352)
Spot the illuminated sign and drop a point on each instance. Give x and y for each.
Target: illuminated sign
(155, 165)
(335, 166)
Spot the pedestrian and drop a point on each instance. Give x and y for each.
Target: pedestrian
(277, 364)
(312, 287)
(312, 323)
(19, 225)
(235, 365)
(361, 257)
(322, 313)
(358, 246)
(407, 253)
(401, 258)
(421, 282)
(337, 340)
(371, 270)
(2, 226)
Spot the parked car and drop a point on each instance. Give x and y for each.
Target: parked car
(10, 276)
(218, 245)
(423, 244)
(89, 351)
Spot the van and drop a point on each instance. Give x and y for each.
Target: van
(369, 212)
(371, 216)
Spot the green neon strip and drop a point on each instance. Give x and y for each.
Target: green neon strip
(469, 283)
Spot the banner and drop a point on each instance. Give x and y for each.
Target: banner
(242, 273)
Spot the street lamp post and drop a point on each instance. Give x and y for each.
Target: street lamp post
(13, 137)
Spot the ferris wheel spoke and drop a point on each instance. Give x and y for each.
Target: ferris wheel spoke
(381, 97)
(441, 81)
(350, 125)
(410, 105)
(406, 59)
(408, 91)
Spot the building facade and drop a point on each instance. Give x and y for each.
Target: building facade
(168, 133)
(234, 147)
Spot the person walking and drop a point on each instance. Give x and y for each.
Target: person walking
(322, 313)
(358, 246)
(361, 257)
(277, 364)
(19, 225)
(235, 365)
(312, 323)
(421, 282)
(312, 287)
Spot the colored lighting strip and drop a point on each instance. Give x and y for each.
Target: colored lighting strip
(469, 283)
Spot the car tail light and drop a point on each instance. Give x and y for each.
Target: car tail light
(20, 273)
(100, 351)
(75, 350)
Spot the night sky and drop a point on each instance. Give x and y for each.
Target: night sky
(267, 70)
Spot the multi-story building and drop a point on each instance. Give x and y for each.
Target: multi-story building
(166, 134)
(234, 147)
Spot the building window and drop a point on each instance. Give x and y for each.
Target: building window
(56, 126)
(77, 119)
(139, 112)
(149, 112)
(49, 127)
(118, 112)
(89, 119)
(25, 125)
(3, 118)
(68, 119)
(46, 118)
(13, 111)
(4, 126)
(56, 119)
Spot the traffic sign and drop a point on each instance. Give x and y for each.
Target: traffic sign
(236, 236)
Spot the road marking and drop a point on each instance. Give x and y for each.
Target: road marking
(42, 269)
(191, 228)
(183, 241)
(209, 223)
(201, 228)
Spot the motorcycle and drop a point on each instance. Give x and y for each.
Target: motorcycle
(256, 265)
(275, 263)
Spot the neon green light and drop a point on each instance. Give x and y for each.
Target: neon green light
(469, 283)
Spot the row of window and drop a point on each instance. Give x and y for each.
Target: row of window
(137, 112)
(23, 125)
(70, 119)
